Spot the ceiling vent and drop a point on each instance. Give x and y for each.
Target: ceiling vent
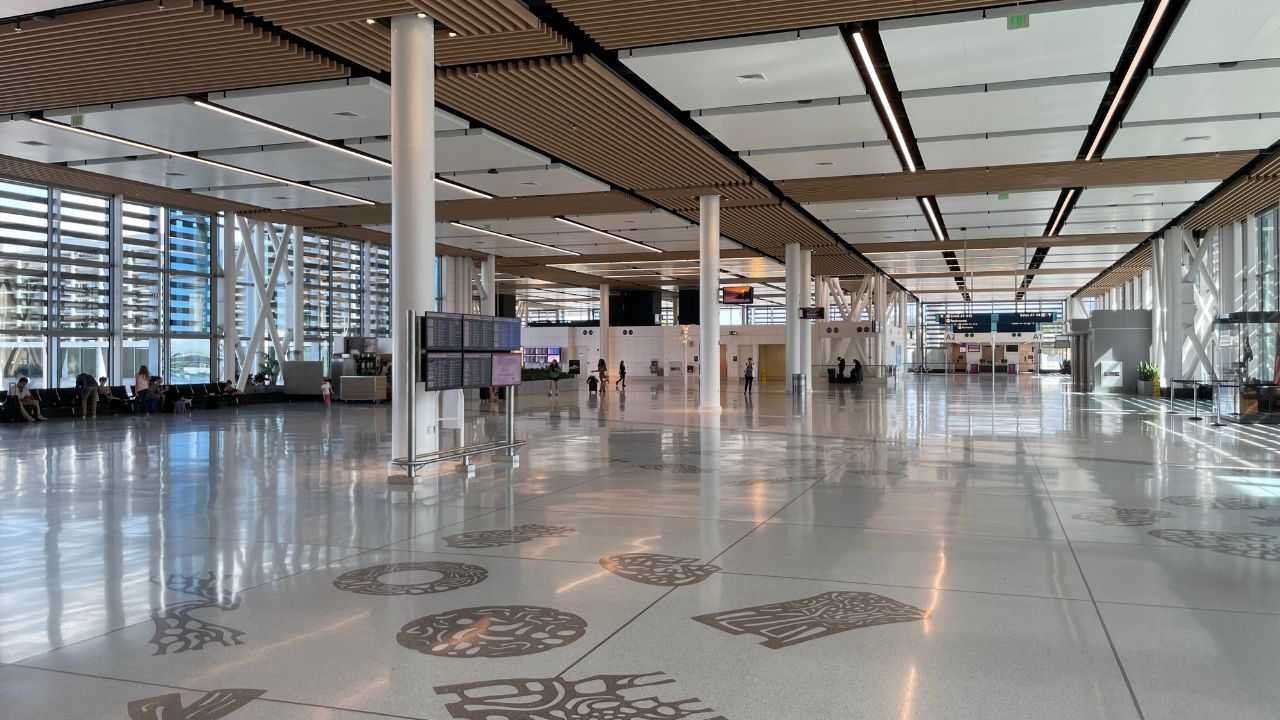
(751, 78)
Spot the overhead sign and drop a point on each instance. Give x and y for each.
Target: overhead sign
(737, 295)
(813, 313)
(994, 322)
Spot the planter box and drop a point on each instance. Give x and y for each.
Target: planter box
(1144, 388)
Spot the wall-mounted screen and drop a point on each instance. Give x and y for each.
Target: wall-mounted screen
(737, 295)
(441, 332)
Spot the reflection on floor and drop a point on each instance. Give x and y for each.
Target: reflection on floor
(930, 548)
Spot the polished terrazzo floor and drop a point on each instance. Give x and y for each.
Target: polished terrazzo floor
(930, 548)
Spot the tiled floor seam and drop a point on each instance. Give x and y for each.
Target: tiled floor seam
(1115, 652)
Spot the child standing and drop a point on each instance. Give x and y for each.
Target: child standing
(326, 392)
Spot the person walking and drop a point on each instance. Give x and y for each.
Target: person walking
(602, 369)
(748, 376)
(622, 375)
(326, 392)
(553, 375)
(142, 387)
(87, 387)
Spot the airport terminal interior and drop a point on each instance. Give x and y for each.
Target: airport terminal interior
(639, 359)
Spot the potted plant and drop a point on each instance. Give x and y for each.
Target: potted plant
(270, 366)
(1148, 374)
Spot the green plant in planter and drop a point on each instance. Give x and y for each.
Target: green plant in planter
(1147, 372)
(269, 366)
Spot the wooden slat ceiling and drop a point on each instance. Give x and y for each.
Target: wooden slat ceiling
(1245, 196)
(633, 23)
(1031, 176)
(477, 30)
(534, 206)
(1127, 268)
(141, 50)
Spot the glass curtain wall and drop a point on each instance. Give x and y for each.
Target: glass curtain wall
(61, 263)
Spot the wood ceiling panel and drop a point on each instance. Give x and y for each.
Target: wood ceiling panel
(1245, 196)
(370, 45)
(1003, 243)
(1031, 176)
(634, 23)
(535, 206)
(466, 17)
(141, 50)
(1136, 262)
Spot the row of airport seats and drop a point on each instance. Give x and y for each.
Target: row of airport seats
(65, 402)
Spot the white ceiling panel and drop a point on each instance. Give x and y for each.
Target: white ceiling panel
(173, 124)
(463, 150)
(824, 161)
(1131, 194)
(166, 171)
(633, 221)
(276, 197)
(41, 143)
(785, 125)
(975, 47)
(520, 227)
(860, 238)
(795, 65)
(12, 8)
(378, 189)
(863, 208)
(1003, 231)
(333, 109)
(301, 161)
(1120, 226)
(1005, 110)
(1217, 92)
(998, 202)
(1194, 137)
(879, 224)
(997, 219)
(657, 236)
(1112, 213)
(998, 150)
(554, 179)
(1213, 31)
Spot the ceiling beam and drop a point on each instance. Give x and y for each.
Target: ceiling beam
(998, 291)
(1004, 243)
(1198, 167)
(1000, 273)
(620, 258)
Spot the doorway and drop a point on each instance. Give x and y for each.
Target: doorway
(773, 362)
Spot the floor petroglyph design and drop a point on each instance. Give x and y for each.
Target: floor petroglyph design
(1219, 503)
(214, 705)
(600, 697)
(178, 631)
(499, 538)
(1248, 545)
(1126, 517)
(495, 631)
(368, 581)
(793, 622)
(664, 570)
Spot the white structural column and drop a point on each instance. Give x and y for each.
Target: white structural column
(116, 362)
(602, 343)
(822, 298)
(794, 266)
(458, 275)
(709, 302)
(882, 320)
(488, 286)
(806, 326)
(413, 217)
(298, 293)
(230, 269)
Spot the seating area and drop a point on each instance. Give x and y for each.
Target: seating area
(65, 402)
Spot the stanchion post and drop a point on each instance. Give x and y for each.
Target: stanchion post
(511, 419)
(1195, 402)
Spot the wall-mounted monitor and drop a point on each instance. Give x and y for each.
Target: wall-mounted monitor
(737, 295)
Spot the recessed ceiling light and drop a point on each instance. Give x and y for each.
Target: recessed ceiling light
(1144, 194)
(751, 78)
(33, 143)
(1195, 138)
(453, 34)
(371, 21)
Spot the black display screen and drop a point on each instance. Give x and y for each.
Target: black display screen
(441, 332)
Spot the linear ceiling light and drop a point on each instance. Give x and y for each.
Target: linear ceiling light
(327, 144)
(933, 219)
(513, 238)
(1062, 214)
(884, 99)
(195, 158)
(1128, 77)
(609, 235)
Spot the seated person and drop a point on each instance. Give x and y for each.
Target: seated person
(153, 398)
(28, 403)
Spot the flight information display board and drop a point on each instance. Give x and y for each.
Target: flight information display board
(477, 333)
(442, 371)
(441, 332)
(506, 371)
(477, 370)
(506, 334)
(994, 322)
